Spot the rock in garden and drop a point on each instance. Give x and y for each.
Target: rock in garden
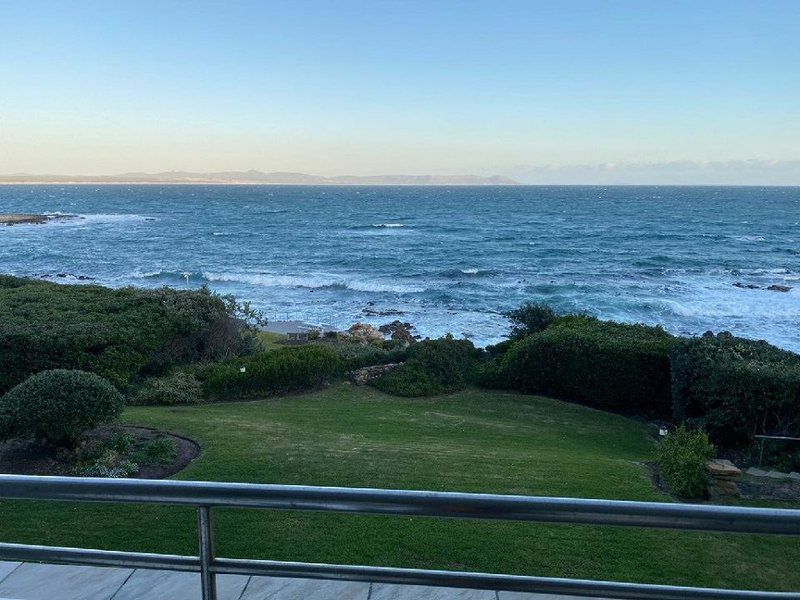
(723, 469)
(724, 487)
(723, 474)
(367, 374)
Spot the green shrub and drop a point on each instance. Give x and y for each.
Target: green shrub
(58, 407)
(531, 317)
(682, 458)
(159, 451)
(736, 388)
(432, 367)
(353, 354)
(611, 366)
(115, 333)
(177, 388)
(269, 373)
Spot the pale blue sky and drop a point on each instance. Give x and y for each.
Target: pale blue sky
(379, 87)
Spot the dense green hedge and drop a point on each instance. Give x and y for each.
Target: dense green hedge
(612, 366)
(736, 388)
(115, 333)
(58, 406)
(172, 389)
(269, 373)
(432, 367)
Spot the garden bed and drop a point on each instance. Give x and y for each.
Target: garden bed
(120, 451)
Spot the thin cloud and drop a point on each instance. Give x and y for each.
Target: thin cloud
(681, 172)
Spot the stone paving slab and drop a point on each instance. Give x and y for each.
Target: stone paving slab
(175, 585)
(58, 582)
(31, 581)
(286, 588)
(6, 567)
(530, 596)
(385, 591)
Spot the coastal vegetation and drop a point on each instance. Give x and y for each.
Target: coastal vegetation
(432, 367)
(269, 373)
(118, 334)
(440, 414)
(611, 366)
(163, 346)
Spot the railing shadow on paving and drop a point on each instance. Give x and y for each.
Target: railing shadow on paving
(207, 495)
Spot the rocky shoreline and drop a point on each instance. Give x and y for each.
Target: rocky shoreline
(29, 219)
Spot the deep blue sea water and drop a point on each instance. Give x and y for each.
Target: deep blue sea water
(451, 259)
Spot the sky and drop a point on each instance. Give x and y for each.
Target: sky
(666, 91)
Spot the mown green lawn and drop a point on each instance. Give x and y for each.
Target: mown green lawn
(474, 441)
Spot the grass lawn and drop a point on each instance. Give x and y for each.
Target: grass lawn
(474, 441)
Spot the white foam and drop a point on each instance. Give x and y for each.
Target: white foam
(313, 282)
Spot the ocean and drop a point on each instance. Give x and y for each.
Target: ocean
(447, 259)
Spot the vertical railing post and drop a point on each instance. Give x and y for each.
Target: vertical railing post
(205, 529)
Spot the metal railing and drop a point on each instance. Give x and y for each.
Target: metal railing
(206, 495)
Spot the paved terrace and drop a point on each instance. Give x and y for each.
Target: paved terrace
(29, 581)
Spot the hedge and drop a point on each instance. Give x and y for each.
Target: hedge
(270, 373)
(115, 333)
(607, 365)
(736, 388)
(173, 389)
(432, 367)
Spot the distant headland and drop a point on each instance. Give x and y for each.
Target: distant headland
(253, 177)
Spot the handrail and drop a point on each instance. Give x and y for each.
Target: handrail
(206, 495)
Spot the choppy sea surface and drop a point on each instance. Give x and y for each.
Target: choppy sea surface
(450, 259)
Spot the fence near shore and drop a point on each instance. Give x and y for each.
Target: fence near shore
(207, 495)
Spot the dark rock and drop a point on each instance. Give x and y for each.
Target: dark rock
(747, 286)
(389, 328)
(365, 333)
(779, 288)
(371, 312)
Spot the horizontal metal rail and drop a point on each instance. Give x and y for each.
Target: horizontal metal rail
(205, 495)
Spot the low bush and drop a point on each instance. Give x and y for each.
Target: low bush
(159, 451)
(736, 388)
(531, 317)
(353, 354)
(269, 373)
(177, 388)
(607, 365)
(432, 367)
(58, 407)
(682, 458)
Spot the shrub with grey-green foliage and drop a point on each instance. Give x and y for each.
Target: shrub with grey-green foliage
(682, 458)
(531, 317)
(177, 388)
(58, 407)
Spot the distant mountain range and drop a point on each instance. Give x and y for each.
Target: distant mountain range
(259, 177)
